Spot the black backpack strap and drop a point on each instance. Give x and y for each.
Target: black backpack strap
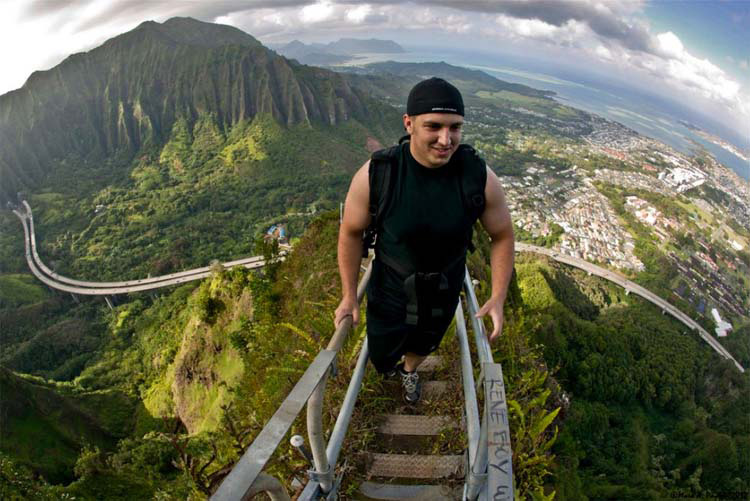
(473, 183)
(379, 174)
(410, 276)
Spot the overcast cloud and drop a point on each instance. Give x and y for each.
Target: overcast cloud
(609, 34)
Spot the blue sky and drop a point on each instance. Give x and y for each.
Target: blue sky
(719, 31)
(696, 52)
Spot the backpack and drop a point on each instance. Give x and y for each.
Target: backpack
(381, 164)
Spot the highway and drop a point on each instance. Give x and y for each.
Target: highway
(59, 282)
(635, 289)
(60, 278)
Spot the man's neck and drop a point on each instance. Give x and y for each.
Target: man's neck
(419, 160)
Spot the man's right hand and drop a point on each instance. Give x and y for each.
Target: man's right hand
(348, 307)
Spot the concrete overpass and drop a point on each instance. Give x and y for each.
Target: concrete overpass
(129, 283)
(59, 282)
(635, 289)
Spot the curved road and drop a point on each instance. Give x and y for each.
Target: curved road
(636, 289)
(82, 283)
(52, 279)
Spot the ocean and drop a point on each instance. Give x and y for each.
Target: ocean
(646, 115)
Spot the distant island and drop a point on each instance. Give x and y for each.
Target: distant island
(711, 138)
(340, 51)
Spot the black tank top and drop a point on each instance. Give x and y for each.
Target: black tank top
(426, 225)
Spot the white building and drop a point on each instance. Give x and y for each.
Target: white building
(722, 327)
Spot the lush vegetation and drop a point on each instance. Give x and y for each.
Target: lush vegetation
(203, 197)
(650, 406)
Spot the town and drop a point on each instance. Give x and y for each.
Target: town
(552, 186)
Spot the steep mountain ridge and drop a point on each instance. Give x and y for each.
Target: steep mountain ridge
(106, 105)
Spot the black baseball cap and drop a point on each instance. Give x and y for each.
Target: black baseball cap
(434, 95)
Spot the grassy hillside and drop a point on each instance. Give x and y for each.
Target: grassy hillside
(45, 426)
(203, 196)
(650, 405)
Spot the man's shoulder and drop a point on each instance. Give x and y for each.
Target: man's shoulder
(388, 154)
(467, 152)
(470, 159)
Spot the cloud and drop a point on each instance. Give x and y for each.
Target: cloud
(612, 33)
(316, 12)
(602, 18)
(571, 33)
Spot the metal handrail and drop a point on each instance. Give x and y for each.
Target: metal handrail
(247, 476)
(243, 476)
(313, 489)
(323, 472)
(483, 480)
(470, 397)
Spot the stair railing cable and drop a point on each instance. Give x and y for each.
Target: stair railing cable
(247, 479)
(490, 469)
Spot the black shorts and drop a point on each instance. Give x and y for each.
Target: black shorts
(388, 335)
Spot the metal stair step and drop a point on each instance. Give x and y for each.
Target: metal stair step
(430, 364)
(431, 389)
(415, 466)
(391, 492)
(401, 424)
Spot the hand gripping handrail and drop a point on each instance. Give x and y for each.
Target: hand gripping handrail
(490, 472)
(246, 478)
(325, 460)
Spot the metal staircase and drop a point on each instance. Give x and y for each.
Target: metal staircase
(405, 466)
(406, 443)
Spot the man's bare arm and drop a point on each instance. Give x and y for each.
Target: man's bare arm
(496, 221)
(355, 221)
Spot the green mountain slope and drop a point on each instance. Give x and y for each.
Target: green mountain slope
(45, 426)
(650, 405)
(102, 107)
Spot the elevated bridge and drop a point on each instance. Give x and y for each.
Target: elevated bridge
(633, 287)
(62, 283)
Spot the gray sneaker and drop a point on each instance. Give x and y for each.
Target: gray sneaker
(411, 384)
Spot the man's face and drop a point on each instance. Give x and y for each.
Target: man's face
(434, 137)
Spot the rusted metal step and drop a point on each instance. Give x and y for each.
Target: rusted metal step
(432, 389)
(415, 466)
(390, 492)
(430, 364)
(401, 424)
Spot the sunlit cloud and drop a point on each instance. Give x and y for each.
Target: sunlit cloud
(316, 12)
(611, 34)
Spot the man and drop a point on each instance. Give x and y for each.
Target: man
(421, 245)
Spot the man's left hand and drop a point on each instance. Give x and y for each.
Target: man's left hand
(493, 307)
